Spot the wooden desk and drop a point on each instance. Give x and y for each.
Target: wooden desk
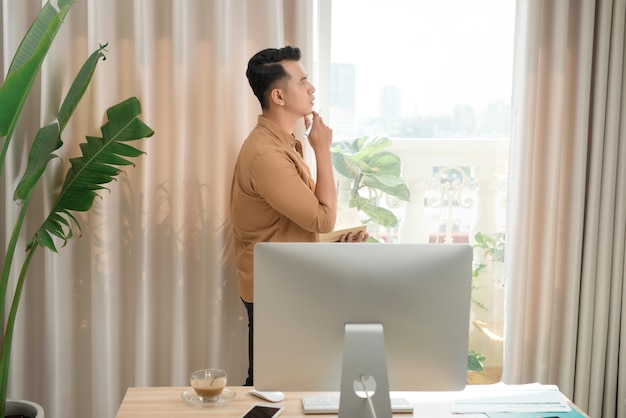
(156, 402)
(167, 402)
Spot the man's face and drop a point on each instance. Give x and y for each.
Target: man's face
(298, 91)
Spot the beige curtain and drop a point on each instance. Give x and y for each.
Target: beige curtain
(567, 215)
(148, 293)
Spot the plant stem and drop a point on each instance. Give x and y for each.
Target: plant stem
(5, 146)
(8, 334)
(5, 352)
(357, 185)
(8, 259)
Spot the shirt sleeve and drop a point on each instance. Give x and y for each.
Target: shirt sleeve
(283, 180)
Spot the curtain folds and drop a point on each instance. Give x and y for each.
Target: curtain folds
(148, 293)
(565, 297)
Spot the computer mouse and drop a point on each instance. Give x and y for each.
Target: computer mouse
(272, 396)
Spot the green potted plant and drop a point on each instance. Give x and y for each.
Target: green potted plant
(494, 247)
(475, 362)
(98, 164)
(372, 172)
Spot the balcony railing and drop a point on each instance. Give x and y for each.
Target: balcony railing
(458, 188)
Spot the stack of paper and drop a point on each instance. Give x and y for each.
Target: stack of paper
(514, 401)
(571, 414)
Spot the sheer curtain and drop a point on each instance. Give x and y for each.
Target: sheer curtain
(567, 215)
(148, 293)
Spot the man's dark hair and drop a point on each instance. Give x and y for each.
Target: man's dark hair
(265, 71)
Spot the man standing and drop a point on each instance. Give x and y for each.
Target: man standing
(273, 196)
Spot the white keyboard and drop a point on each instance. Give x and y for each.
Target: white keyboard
(329, 404)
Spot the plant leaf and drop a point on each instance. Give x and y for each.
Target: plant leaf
(364, 154)
(346, 147)
(79, 86)
(393, 186)
(383, 162)
(96, 167)
(25, 67)
(48, 138)
(46, 141)
(373, 146)
(344, 165)
(475, 361)
(381, 216)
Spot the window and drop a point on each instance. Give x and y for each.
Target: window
(436, 78)
(421, 68)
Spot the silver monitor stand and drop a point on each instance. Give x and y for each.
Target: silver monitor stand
(364, 380)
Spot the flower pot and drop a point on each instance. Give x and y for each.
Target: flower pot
(23, 409)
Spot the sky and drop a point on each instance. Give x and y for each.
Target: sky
(439, 51)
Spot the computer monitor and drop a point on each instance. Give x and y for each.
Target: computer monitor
(306, 293)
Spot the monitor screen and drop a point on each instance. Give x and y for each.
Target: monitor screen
(306, 293)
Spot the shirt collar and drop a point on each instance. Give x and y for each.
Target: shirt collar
(275, 129)
(284, 137)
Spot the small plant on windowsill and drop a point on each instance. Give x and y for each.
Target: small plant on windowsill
(494, 247)
(475, 361)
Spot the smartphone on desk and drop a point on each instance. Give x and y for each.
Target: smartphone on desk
(263, 411)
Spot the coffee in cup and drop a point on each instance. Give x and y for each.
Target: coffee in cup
(208, 383)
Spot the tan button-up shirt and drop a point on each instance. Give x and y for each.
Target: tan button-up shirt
(272, 198)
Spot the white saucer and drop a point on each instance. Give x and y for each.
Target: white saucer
(226, 396)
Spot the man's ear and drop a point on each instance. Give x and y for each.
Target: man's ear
(277, 96)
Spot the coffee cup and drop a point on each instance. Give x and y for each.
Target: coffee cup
(208, 383)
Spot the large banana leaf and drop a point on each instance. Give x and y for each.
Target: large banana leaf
(96, 167)
(79, 86)
(48, 138)
(20, 77)
(25, 67)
